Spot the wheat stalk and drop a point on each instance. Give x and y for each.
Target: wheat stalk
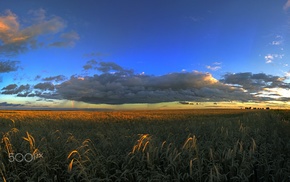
(31, 141)
(8, 145)
(190, 167)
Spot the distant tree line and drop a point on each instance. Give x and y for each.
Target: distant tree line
(256, 108)
(190, 103)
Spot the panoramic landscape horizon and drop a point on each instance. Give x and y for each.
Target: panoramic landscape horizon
(160, 90)
(124, 55)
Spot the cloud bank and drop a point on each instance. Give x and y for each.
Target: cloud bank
(116, 85)
(119, 89)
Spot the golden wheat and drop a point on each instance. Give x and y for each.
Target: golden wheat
(183, 145)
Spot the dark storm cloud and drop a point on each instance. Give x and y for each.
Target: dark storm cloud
(123, 86)
(255, 82)
(8, 66)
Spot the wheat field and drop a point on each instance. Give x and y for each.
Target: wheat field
(156, 145)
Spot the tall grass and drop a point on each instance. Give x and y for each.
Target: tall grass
(212, 145)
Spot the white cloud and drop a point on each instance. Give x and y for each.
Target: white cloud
(271, 57)
(195, 18)
(276, 42)
(217, 63)
(213, 68)
(275, 93)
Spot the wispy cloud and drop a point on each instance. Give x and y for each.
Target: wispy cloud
(57, 78)
(66, 40)
(195, 18)
(276, 42)
(106, 67)
(286, 5)
(215, 66)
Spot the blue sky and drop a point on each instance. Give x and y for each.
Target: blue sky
(122, 52)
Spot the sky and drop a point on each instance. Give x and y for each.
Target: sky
(144, 54)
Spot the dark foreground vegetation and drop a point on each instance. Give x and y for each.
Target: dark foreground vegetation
(184, 145)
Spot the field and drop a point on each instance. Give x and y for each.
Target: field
(164, 145)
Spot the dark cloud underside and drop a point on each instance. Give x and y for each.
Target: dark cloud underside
(255, 82)
(116, 85)
(8, 66)
(5, 104)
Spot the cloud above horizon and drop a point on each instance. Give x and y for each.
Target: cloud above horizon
(109, 83)
(17, 38)
(118, 88)
(6, 104)
(260, 85)
(116, 85)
